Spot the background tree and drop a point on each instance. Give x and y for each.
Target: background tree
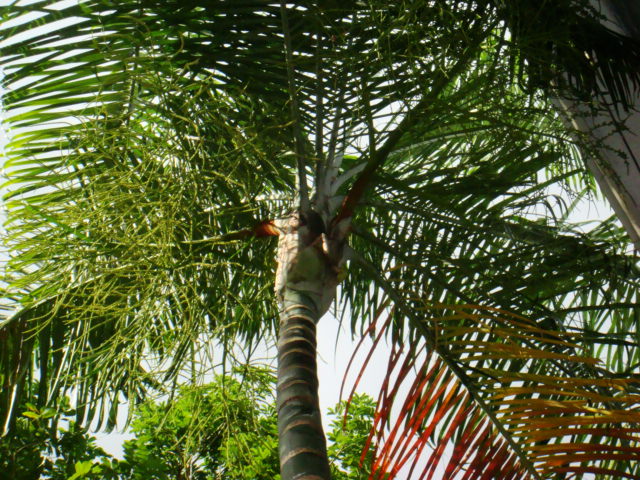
(223, 430)
(405, 150)
(228, 429)
(35, 449)
(350, 430)
(616, 168)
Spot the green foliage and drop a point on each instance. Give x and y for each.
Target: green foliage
(349, 433)
(228, 430)
(34, 449)
(225, 430)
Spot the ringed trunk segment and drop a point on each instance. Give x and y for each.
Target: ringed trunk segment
(306, 278)
(302, 444)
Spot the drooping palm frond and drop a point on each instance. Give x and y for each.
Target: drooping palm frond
(542, 267)
(479, 225)
(516, 400)
(464, 212)
(123, 207)
(133, 285)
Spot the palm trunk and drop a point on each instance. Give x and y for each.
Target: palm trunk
(305, 284)
(302, 444)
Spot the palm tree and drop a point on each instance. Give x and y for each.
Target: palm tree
(404, 155)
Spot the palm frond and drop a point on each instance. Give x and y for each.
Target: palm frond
(509, 410)
(568, 46)
(170, 181)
